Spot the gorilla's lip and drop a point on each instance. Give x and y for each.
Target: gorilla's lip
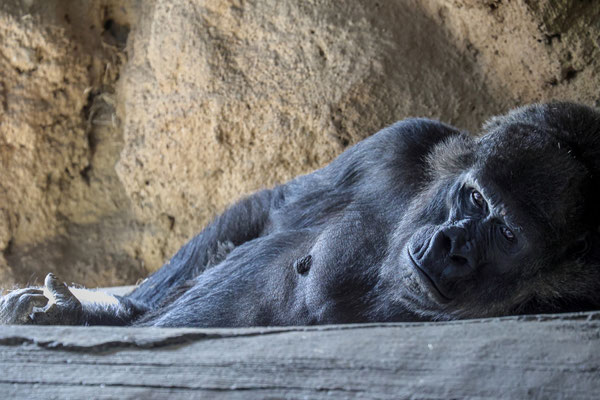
(429, 282)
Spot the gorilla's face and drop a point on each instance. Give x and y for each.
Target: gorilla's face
(513, 230)
(474, 255)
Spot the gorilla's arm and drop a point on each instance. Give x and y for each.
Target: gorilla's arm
(242, 222)
(56, 304)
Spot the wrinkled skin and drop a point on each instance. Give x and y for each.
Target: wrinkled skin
(418, 222)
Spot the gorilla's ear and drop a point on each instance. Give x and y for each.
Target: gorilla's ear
(451, 156)
(583, 246)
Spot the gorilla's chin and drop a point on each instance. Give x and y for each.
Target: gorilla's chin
(426, 282)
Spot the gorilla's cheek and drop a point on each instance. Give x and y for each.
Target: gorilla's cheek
(427, 256)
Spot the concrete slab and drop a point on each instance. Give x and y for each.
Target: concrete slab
(550, 356)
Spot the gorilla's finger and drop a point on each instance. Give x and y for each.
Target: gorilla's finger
(19, 292)
(49, 316)
(26, 303)
(59, 290)
(39, 300)
(13, 298)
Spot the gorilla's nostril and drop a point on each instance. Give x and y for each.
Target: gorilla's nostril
(446, 243)
(458, 260)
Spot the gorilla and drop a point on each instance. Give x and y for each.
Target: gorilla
(418, 222)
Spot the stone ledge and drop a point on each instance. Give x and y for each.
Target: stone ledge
(542, 356)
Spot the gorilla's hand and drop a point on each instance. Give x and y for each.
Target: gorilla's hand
(52, 306)
(63, 309)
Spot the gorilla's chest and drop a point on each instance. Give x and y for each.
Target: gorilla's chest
(336, 273)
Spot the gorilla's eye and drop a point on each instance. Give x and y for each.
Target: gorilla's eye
(477, 199)
(508, 234)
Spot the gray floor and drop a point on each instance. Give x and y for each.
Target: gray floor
(525, 357)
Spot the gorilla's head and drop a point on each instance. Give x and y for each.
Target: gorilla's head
(515, 226)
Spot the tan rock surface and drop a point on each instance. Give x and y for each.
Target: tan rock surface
(116, 146)
(223, 98)
(62, 206)
(528, 50)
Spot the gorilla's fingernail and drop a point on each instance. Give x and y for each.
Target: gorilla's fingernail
(51, 281)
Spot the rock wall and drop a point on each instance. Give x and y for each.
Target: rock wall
(528, 50)
(126, 126)
(62, 206)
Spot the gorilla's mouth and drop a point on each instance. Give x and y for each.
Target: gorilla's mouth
(429, 282)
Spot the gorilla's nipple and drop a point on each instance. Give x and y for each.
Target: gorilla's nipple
(302, 265)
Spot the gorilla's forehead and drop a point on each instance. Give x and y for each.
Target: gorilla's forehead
(529, 160)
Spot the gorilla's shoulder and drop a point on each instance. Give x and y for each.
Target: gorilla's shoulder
(411, 137)
(422, 131)
(400, 150)
(408, 141)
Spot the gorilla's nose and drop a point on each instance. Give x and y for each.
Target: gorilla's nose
(460, 251)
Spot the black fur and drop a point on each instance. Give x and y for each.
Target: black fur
(418, 222)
